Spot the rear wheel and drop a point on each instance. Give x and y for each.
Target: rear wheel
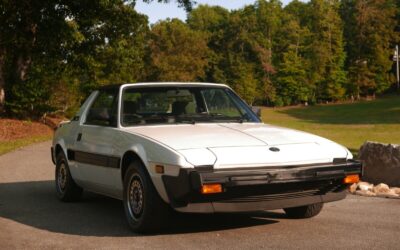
(304, 211)
(66, 188)
(144, 209)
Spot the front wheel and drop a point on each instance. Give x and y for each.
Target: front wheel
(145, 211)
(304, 211)
(66, 188)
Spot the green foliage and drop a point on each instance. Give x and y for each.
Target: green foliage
(212, 22)
(370, 32)
(187, 4)
(82, 44)
(53, 53)
(326, 50)
(178, 53)
(31, 96)
(292, 78)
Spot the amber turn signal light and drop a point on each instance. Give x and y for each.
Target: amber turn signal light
(350, 179)
(211, 189)
(159, 169)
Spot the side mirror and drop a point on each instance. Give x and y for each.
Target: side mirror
(256, 110)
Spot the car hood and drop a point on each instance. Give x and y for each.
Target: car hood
(246, 144)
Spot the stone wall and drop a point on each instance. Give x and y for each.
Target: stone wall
(381, 163)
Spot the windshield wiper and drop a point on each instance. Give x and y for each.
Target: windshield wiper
(192, 119)
(240, 120)
(225, 118)
(187, 122)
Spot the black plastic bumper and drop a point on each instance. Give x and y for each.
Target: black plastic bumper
(269, 187)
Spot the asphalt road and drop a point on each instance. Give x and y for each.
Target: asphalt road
(31, 217)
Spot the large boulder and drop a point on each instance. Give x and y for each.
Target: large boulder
(381, 163)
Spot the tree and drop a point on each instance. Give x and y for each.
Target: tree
(301, 11)
(187, 4)
(291, 81)
(78, 39)
(245, 59)
(212, 22)
(53, 52)
(292, 78)
(242, 46)
(327, 55)
(370, 33)
(177, 53)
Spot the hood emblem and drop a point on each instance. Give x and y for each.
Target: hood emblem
(274, 149)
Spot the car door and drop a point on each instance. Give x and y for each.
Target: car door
(95, 152)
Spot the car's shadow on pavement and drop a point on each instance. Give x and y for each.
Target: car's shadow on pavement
(35, 204)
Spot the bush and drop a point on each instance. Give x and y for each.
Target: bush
(28, 99)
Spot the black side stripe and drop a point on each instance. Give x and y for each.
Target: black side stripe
(94, 159)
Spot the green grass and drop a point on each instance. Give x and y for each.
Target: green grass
(348, 124)
(9, 146)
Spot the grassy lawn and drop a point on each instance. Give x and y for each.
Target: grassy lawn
(9, 146)
(348, 124)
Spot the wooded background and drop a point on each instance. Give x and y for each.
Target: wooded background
(54, 52)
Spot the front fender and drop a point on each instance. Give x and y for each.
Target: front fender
(59, 143)
(153, 153)
(150, 163)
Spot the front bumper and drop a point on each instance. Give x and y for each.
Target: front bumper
(260, 188)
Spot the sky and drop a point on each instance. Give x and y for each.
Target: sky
(159, 11)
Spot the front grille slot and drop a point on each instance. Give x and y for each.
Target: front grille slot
(271, 197)
(270, 192)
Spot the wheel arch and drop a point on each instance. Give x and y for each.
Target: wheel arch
(138, 153)
(128, 157)
(59, 146)
(58, 149)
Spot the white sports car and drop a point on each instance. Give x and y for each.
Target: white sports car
(193, 147)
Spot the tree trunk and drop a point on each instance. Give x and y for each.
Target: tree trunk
(23, 60)
(2, 80)
(22, 64)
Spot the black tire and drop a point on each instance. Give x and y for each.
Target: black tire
(66, 188)
(304, 211)
(145, 211)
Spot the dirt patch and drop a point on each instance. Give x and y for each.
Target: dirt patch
(11, 129)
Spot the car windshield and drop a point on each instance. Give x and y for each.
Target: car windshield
(169, 105)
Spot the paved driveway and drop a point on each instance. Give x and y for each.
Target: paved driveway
(32, 217)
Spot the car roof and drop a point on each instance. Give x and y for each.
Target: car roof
(162, 84)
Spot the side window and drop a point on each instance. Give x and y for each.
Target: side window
(104, 109)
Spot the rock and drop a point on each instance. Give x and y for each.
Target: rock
(396, 190)
(365, 186)
(381, 163)
(365, 193)
(381, 189)
(353, 188)
(385, 193)
(388, 195)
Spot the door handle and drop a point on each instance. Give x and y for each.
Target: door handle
(79, 137)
